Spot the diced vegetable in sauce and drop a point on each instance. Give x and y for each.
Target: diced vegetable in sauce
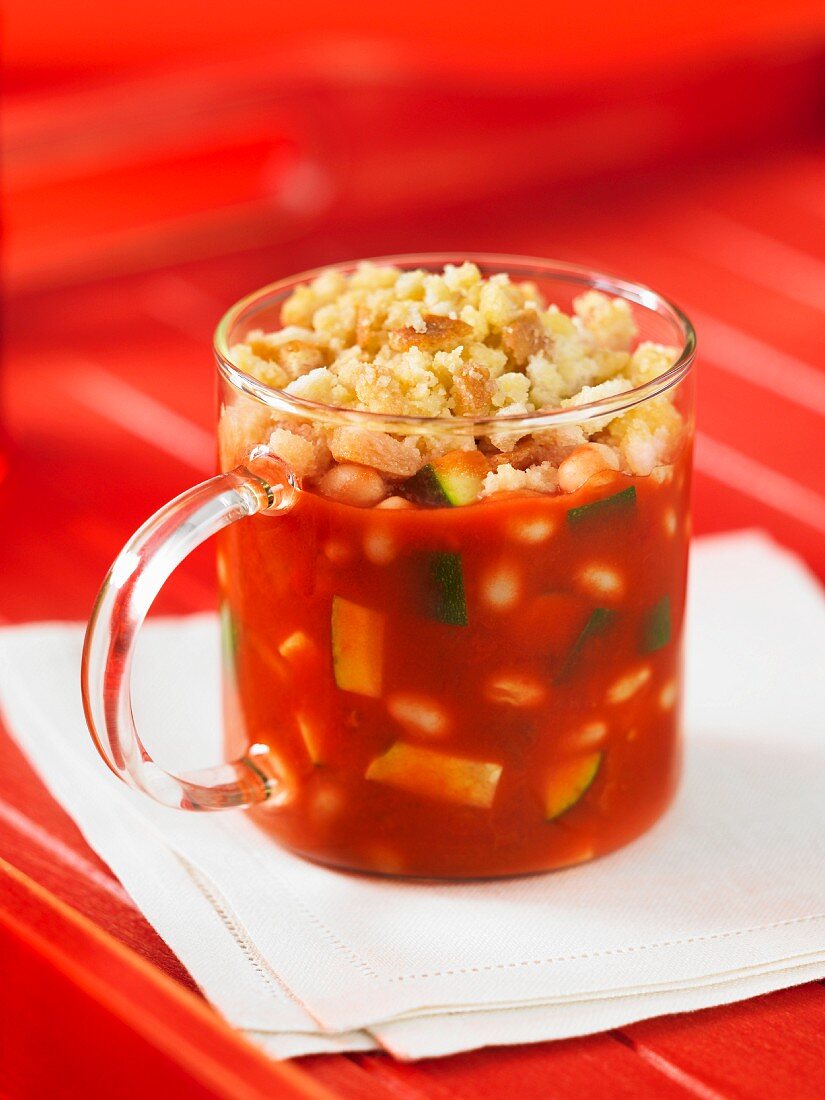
(357, 647)
(451, 481)
(436, 775)
(555, 620)
(616, 504)
(657, 626)
(447, 598)
(598, 621)
(229, 634)
(310, 731)
(569, 782)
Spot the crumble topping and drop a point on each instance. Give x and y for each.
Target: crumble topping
(450, 344)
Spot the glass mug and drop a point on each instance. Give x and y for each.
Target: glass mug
(429, 691)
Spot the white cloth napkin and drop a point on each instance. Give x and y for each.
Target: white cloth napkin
(724, 899)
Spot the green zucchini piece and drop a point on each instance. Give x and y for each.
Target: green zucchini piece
(449, 604)
(452, 481)
(357, 647)
(619, 502)
(657, 626)
(598, 621)
(425, 489)
(569, 783)
(432, 774)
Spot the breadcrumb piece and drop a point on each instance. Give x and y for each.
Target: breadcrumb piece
(473, 390)
(241, 427)
(322, 386)
(506, 440)
(436, 446)
(376, 449)
(579, 365)
(370, 276)
(494, 360)
(559, 442)
(588, 394)
(439, 334)
(546, 383)
(512, 389)
(524, 337)
(543, 478)
(527, 452)
(647, 436)
(610, 320)
(462, 277)
(557, 323)
(650, 360)
(307, 455)
(301, 305)
(397, 384)
(268, 371)
(500, 301)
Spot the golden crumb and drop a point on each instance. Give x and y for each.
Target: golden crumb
(524, 337)
(436, 334)
(472, 391)
(453, 343)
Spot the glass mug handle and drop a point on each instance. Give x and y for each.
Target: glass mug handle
(263, 484)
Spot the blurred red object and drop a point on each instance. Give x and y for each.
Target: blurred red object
(133, 140)
(537, 42)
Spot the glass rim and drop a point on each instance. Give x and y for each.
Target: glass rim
(616, 404)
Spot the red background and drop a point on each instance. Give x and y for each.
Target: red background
(161, 159)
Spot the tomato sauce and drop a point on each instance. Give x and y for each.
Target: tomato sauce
(462, 692)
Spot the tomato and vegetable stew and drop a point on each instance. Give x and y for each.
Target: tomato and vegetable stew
(460, 650)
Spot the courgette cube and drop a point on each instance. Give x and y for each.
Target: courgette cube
(436, 775)
(623, 501)
(657, 626)
(357, 647)
(448, 602)
(453, 480)
(598, 621)
(569, 782)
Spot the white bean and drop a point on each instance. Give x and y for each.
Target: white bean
(581, 464)
(532, 530)
(418, 714)
(624, 688)
(515, 690)
(350, 483)
(502, 588)
(668, 695)
(379, 547)
(601, 580)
